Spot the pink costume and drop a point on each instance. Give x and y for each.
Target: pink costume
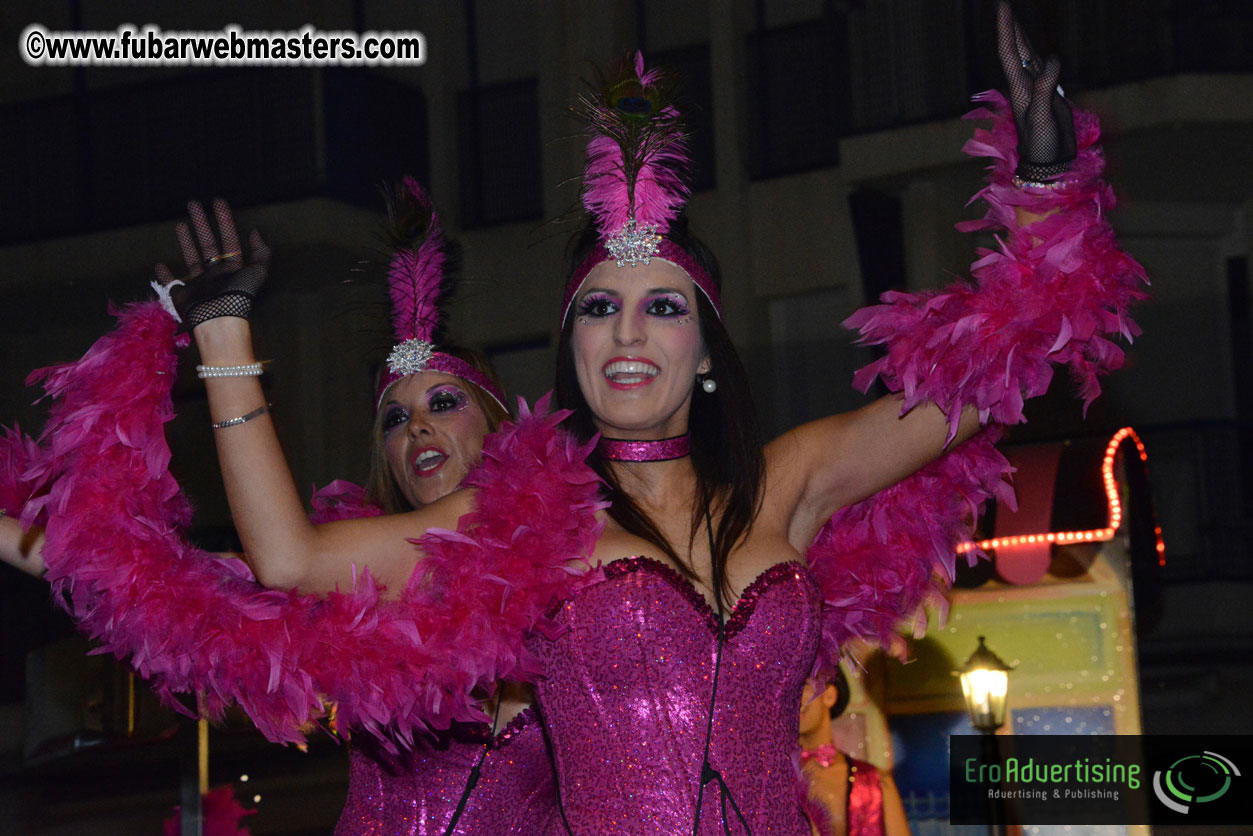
(465, 781)
(627, 699)
(865, 799)
(661, 723)
(419, 792)
(644, 740)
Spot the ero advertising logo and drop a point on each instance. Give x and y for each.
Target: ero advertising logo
(1194, 779)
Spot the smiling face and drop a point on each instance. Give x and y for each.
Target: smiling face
(432, 435)
(638, 348)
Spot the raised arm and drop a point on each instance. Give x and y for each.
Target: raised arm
(1054, 293)
(191, 623)
(284, 548)
(837, 461)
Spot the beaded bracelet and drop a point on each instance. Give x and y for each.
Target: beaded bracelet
(242, 419)
(1051, 185)
(246, 370)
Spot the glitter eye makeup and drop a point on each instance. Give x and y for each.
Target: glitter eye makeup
(667, 305)
(394, 417)
(447, 399)
(598, 304)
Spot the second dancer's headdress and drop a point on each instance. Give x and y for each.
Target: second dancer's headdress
(635, 175)
(415, 281)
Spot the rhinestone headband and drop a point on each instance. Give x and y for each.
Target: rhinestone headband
(666, 250)
(416, 356)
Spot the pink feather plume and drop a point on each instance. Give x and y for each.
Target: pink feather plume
(636, 162)
(416, 273)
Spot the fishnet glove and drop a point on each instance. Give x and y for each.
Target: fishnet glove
(1046, 126)
(219, 282)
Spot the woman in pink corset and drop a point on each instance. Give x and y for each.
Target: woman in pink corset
(432, 416)
(473, 777)
(730, 571)
(669, 699)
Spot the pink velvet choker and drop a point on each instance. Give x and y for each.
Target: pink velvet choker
(628, 450)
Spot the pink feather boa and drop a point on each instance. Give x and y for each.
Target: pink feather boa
(193, 623)
(23, 472)
(880, 560)
(1055, 291)
(815, 811)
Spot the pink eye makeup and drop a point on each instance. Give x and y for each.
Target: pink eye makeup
(447, 398)
(598, 304)
(667, 305)
(393, 417)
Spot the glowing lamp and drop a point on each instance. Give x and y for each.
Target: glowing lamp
(985, 683)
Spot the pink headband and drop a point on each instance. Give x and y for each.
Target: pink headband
(666, 250)
(425, 359)
(415, 280)
(635, 173)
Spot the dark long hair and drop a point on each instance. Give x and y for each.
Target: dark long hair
(726, 441)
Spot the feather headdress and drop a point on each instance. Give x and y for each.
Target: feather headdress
(633, 178)
(415, 283)
(635, 174)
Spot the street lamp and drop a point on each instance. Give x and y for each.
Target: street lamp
(985, 682)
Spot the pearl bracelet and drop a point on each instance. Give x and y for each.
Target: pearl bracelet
(246, 370)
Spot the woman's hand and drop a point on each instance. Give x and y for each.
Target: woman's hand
(219, 281)
(1046, 126)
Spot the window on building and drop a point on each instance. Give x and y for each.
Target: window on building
(500, 154)
(797, 97)
(691, 63)
(376, 131)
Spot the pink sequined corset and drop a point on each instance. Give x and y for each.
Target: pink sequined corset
(417, 794)
(626, 701)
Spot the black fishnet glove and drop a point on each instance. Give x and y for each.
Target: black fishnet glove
(219, 282)
(1046, 126)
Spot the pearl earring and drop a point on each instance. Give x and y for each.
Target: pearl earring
(709, 385)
